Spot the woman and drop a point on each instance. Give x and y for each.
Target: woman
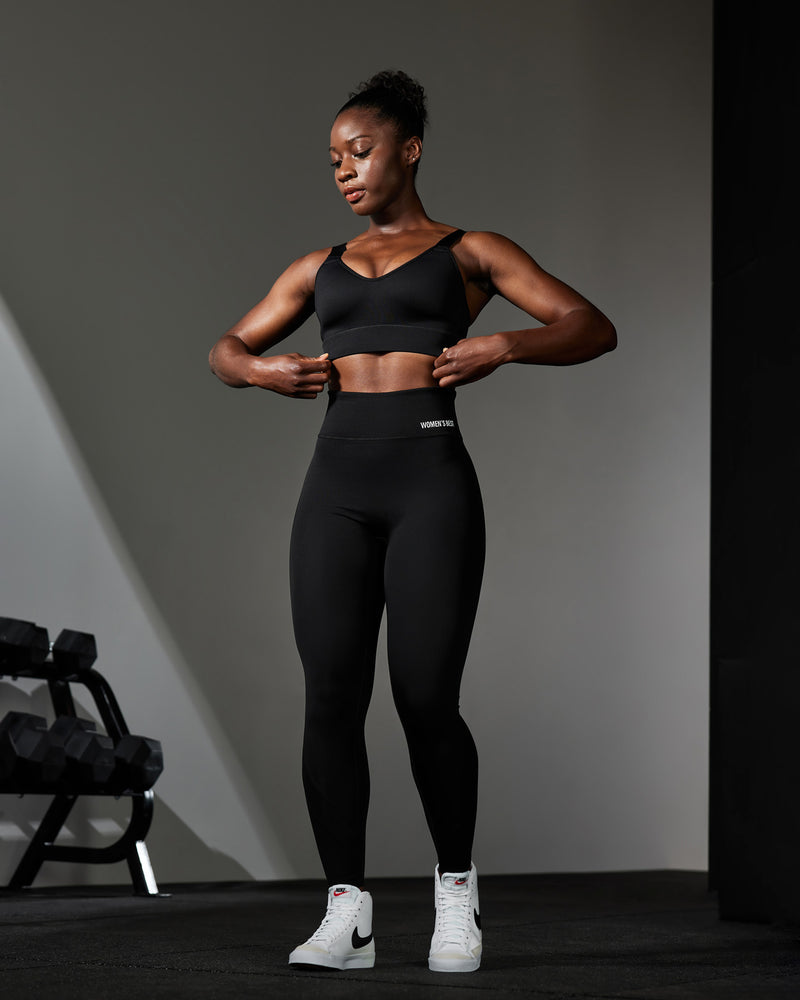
(390, 512)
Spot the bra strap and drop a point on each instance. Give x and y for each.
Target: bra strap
(449, 240)
(338, 250)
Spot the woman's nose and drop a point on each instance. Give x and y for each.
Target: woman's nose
(345, 171)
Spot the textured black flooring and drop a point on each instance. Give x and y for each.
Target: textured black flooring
(636, 935)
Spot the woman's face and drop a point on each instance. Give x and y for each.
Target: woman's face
(371, 166)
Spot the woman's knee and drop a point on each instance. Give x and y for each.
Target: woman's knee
(423, 707)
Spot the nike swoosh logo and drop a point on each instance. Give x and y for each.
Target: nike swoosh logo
(358, 941)
(477, 919)
(340, 892)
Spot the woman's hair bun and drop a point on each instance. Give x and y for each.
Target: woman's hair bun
(395, 96)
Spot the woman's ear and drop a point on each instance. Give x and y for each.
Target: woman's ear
(413, 150)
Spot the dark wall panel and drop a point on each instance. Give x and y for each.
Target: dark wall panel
(755, 535)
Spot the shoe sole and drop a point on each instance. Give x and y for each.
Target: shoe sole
(450, 965)
(348, 962)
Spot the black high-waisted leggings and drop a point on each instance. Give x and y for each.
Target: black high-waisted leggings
(390, 513)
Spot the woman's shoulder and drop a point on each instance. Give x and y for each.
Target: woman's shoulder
(484, 240)
(480, 249)
(299, 278)
(306, 267)
(314, 259)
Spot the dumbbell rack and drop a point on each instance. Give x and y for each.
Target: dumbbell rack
(130, 847)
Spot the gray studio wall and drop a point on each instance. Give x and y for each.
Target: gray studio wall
(163, 163)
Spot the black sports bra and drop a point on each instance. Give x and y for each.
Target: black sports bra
(420, 306)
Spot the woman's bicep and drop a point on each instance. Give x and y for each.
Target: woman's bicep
(286, 306)
(516, 276)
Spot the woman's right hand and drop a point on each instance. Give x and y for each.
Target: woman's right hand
(296, 375)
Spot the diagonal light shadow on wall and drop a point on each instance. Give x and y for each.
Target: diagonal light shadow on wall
(64, 565)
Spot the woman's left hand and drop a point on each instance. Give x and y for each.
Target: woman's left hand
(470, 360)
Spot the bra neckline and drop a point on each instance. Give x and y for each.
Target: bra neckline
(365, 277)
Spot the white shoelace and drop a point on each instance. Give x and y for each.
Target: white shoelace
(334, 922)
(454, 916)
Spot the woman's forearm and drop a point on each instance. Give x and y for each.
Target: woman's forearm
(579, 336)
(231, 362)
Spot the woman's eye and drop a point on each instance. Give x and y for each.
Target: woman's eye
(362, 154)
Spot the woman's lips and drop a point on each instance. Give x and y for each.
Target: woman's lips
(355, 195)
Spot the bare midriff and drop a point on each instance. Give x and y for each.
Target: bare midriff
(388, 372)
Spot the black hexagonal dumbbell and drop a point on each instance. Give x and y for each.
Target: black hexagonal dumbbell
(31, 757)
(23, 646)
(139, 762)
(73, 652)
(90, 755)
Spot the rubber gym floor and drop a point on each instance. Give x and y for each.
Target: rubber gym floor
(627, 936)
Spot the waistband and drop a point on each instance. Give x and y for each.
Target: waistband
(404, 413)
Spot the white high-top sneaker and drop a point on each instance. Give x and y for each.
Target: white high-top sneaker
(456, 945)
(344, 938)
